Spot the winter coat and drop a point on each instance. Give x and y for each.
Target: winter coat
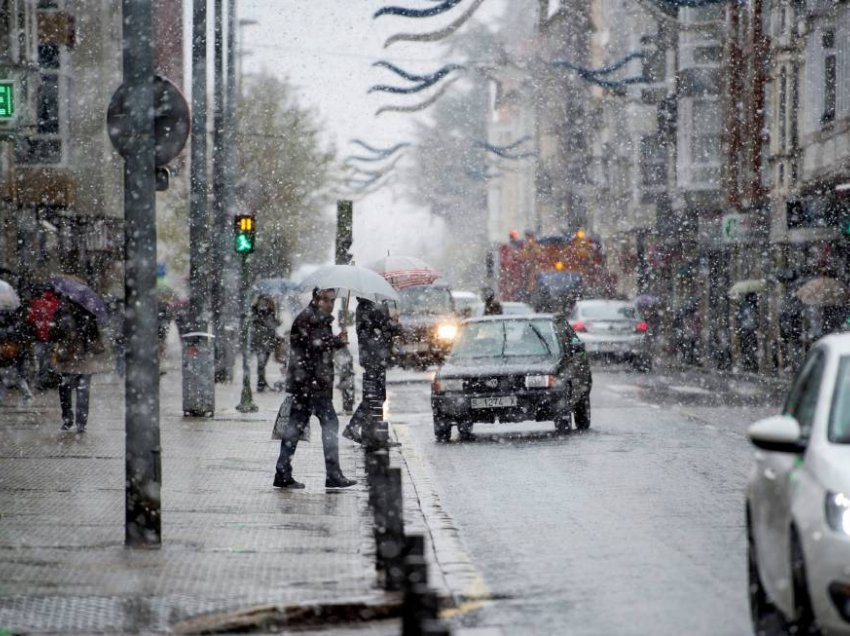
(15, 338)
(40, 314)
(310, 372)
(375, 331)
(264, 325)
(79, 347)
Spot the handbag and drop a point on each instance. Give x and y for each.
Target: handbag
(282, 420)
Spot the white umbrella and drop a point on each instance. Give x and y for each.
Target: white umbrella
(405, 271)
(359, 281)
(9, 300)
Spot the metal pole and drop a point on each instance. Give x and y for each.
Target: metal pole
(143, 477)
(219, 211)
(246, 404)
(198, 235)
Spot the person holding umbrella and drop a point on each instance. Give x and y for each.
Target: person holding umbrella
(309, 379)
(79, 349)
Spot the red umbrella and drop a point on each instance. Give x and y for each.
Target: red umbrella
(405, 271)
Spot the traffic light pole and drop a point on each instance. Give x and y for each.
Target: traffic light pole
(343, 359)
(143, 470)
(246, 404)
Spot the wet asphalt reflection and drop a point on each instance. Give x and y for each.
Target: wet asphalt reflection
(635, 526)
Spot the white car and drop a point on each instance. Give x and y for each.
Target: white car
(798, 502)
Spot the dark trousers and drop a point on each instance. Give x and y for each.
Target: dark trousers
(262, 361)
(374, 394)
(299, 416)
(70, 383)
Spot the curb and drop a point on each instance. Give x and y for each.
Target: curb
(464, 589)
(264, 618)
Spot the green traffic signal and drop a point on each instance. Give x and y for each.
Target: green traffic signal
(7, 100)
(244, 225)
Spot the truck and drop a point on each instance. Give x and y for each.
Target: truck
(551, 272)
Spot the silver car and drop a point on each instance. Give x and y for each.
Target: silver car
(614, 329)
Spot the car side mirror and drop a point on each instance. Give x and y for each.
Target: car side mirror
(778, 434)
(577, 345)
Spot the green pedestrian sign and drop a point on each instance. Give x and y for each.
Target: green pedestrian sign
(7, 99)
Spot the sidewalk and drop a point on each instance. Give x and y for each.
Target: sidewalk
(230, 540)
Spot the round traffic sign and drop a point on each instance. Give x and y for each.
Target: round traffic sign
(171, 120)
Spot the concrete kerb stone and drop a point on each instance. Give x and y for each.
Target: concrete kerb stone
(458, 584)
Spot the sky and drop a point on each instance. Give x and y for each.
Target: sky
(326, 48)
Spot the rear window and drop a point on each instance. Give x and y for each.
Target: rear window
(608, 311)
(839, 418)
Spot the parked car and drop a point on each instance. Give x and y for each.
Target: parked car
(511, 369)
(428, 323)
(798, 502)
(613, 328)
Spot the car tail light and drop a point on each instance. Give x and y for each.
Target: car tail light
(640, 327)
(578, 325)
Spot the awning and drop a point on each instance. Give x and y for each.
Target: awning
(749, 286)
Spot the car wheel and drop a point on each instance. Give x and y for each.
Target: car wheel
(563, 423)
(582, 413)
(465, 430)
(804, 614)
(442, 430)
(766, 619)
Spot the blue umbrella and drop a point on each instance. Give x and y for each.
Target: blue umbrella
(78, 292)
(646, 300)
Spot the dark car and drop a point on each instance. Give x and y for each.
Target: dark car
(512, 369)
(428, 323)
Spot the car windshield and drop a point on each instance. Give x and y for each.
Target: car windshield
(608, 311)
(425, 300)
(506, 338)
(839, 418)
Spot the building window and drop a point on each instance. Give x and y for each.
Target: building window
(829, 77)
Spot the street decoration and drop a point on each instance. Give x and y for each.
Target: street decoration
(505, 151)
(424, 81)
(435, 36)
(405, 12)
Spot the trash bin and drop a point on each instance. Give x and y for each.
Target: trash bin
(198, 374)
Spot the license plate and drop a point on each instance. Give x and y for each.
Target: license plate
(493, 402)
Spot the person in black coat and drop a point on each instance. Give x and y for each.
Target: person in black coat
(264, 324)
(309, 379)
(375, 331)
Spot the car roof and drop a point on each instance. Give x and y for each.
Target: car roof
(462, 293)
(837, 343)
(500, 318)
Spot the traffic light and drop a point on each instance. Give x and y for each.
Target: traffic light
(244, 237)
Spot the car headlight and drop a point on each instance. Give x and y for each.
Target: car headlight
(838, 512)
(449, 385)
(447, 331)
(539, 381)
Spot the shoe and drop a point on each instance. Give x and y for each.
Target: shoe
(351, 433)
(393, 444)
(339, 482)
(261, 388)
(286, 482)
(81, 429)
(67, 426)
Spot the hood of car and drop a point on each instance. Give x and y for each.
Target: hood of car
(471, 367)
(420, 321)
(832, 466)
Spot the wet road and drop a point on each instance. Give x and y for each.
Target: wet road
(634, 527)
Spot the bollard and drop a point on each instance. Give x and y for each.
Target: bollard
(391, 546)
(377, 464)
(415, 585)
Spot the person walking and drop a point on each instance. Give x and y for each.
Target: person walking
(79, 353)
(375, 330)
(309, 379)
(264, 324)
(15, 339)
